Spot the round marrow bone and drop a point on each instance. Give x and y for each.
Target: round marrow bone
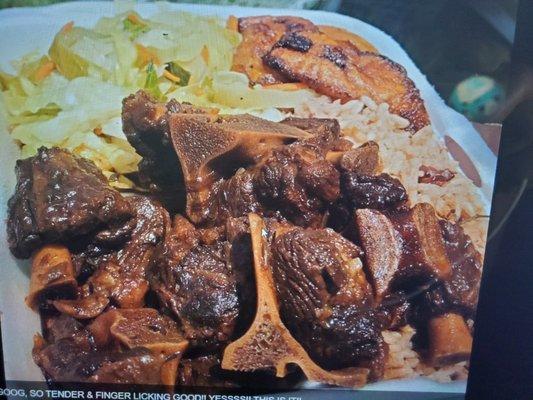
(268, 343)
(52, 274)
(143, 328)
(450, 340)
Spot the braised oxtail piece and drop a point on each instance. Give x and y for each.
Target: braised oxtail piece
(60, 198)
(325, 299)
(235, 165)
(145, 123)
(211, 148)
(268, 344)
(137, 346)
(120, 278)
(201, 283)
(402, 249)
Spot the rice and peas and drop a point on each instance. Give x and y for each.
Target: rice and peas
(31, 116)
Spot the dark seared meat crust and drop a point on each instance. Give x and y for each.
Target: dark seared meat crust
(373, 191)
(298, 182)
(460, 292)
(130, 346)
(60, 197)
(120, 276)
(325, 299)
(293, 181)
(205, 299)
(145, 123)
(462, 289)
(199, 284)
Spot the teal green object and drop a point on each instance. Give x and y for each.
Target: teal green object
(477, 97)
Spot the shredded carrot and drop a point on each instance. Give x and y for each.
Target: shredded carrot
(233, 23)
(145, 56)
(44, 70)
(171, 77)
(205, 54)
(160, 110)
(67, 27)
(287, 86)
(135, 19)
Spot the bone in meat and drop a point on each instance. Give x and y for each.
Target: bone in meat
(250, 353)
(450, 340)
(402, 246)
(52, 273)
(210, 148)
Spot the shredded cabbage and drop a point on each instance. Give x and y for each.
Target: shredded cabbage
(72, 96)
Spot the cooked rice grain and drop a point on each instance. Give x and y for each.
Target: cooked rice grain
(402, 360)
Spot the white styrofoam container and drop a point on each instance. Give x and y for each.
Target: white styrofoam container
(27, 29)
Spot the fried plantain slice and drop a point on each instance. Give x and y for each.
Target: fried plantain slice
(342, 72)
(259, 34)
(341, 35)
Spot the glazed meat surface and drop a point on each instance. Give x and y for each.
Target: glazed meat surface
(372, 191)
(458, 293)
(235, 165)
(404, 250)
(233, 197)
(297, 181)
(325, 299)
(145, 123)
(198, 283)
(131, 346)
(362, 160)
(342, 72)
(294, 182)
(60, 197)
(462, 287)
(120, 275)
(407, 251)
